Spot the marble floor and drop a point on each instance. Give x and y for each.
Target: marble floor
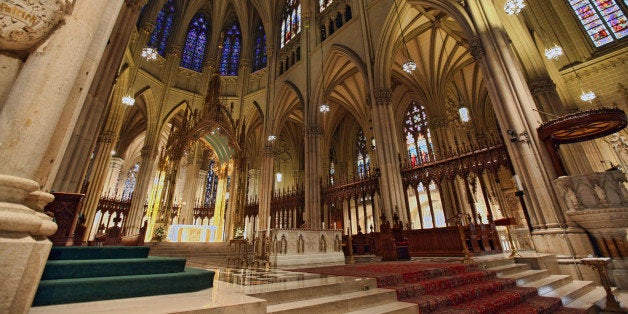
(231, 292)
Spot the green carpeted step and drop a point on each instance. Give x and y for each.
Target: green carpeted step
(61, 291)
(97, 252)
(66, 269)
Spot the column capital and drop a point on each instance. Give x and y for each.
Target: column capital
(244, 64)
(268, 151)
(438, 122)
(383, 96)
(542, 86)
(210, 63)
(314, 131)
(106, 137)
(148, 27)
(175, 51)
(135, 3)
(476, 48)
(146, 151)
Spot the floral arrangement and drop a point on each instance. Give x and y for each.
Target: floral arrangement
(160, 233)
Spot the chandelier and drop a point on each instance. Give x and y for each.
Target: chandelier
(323, 108)
(554, 52)
(514, 6)
(149, 53)
(128, 100)
(272, 138)
(408, 66)
(587, 96)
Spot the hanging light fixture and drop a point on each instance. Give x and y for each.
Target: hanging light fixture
(514, 6)
(587, 96)
(554, 52)
(128, 100)
(324, 108)
(408, 66)
(148, 54)
(272, 137)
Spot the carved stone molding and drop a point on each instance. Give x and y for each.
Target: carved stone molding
(23, 24)
(268, 151)
(383, 96)
(244, 64)
(438, 122)
(135, 3)
(146, 151)
(476, 49)
(106, 137)
(543, 86)
(314, 131)
(175, 51)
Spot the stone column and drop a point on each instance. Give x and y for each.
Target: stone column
(73, 167)
(313, 136)
(514, 108)
(391, 187)
(144, 177)
(266, 187)
(31, 112)
(106, 143)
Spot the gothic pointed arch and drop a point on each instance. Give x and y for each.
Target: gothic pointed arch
(163, 26)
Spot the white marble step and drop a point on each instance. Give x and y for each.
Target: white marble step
(527, 276)
(550, 283)
(313, 288)
(490, 262)
(508, 269)
(341, 303)
(390, 308)
(571, 291)
(593, 300)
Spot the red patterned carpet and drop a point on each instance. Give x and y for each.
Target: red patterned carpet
(450, 287)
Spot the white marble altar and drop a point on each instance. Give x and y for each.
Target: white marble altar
(304, 247)
(191, 233)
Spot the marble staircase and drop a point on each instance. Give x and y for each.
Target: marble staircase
(577, 294)
(335, 295)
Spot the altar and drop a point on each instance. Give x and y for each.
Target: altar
(191, 233)
(303, 247)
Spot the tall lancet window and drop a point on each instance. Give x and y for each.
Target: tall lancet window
(290, 21)
(260, 48)
(130, 181)
(163, 26)
(231, 47)
(603, 20)
(195, 43)
(363, 160)
(417, 133)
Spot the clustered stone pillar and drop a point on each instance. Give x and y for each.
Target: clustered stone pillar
(265, 187)
(313, 164)
(34, 105)
(513, 104)
(391, 187)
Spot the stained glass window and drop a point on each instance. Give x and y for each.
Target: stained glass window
(464, 114)
(603, 20)
(163, 26)
(291, 21)
(260, 48)
(364, 162)
(194, 52)
(323, 4)
(231, 46)
(129, 183)
(418, 138)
